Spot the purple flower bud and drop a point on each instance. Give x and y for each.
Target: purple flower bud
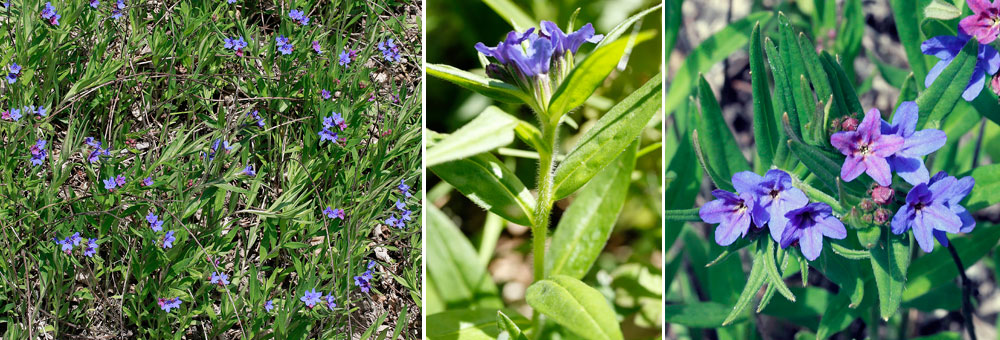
(882, 195)
(849, 124)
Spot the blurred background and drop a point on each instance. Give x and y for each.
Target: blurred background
(453, 28)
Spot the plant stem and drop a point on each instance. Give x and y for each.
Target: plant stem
(543, 208)
(966, 292)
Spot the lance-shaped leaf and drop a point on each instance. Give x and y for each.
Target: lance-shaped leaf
(586, 225)
(682, 215)
(711, 51)
(844, 273)
(488, 183)
(784, 102)
(698, 314)
(940, 98)
(507, 325)
(575, 306)
(754, 282)
(600, 145)
(765, 128)
(890, 259)
(492, 129)
(841, 84)
(469, 324)
(588, 75)
(821, 164)
(773, 273)
(718, 145)
(455, 274)
(795, 70)
(486, 86)
(907, 18)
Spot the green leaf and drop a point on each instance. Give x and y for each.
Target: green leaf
(784, 95)
(941, 97)
(795, 70)
(835, 318)
(722, 154)
(453, 269)
(765, 128)
(984, 193)
(588, 75)
(486, 86)
(600, 145)
(586, 225)
(575, 306)
(907, 18)
(889, 262)
(488, 183)
(505, 324)
(711, 51)
(508, 10)
(773, 274)
(624, 26)
(682, 215)
(938, 268)
(849, 253)
(698, 314)
(468, 324)
(492, 129)
(754, 282)
(673, 24)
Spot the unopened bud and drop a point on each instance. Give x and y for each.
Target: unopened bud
(882, 216)
(867, 205)
(849, 124)
(882, 195)
(867, 218)
(995, 84)
(494, 71)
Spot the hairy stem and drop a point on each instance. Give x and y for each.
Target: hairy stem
(966, 292)
(543, 208)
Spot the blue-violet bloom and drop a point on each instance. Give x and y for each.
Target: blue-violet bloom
(867, 149)
(808, 225)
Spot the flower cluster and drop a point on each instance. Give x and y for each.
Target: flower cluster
(537, 62)
(168, 240)
(284, 45)
(49, 13)
(330, 212)
(94, 4)
(256, 116)
(326, 134)
(98, 150)
(299, 17)
(220, 279)
(168, 304)
(154, 221)
(118, 10)
(67, 244)
(347, 56)
(215, 148)
(311, 298)
(316, 47)
(405, 212)
(13, 71)
(38, 152)
(11, 115)
(771, 200)
(248, 171)
(114, 182)
(389, 50)
(236, 44)
(38, 111)
(363, 281)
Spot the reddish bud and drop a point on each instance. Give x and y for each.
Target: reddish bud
(867, 218)
(882, 195)
(849, 124)
(882, 215)
(867, 205)
(995, 84)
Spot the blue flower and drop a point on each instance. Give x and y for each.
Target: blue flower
(732, 212)
(316, 47)
(946, 48)
(220, 279)
(248, 170)
(563, 43)
(344, 58)
(867, 150)
(110, 184)
(774, 196)
(49, 13)
(284, 45)
(38, 152)
(148, 181)
(330, 212)
(118, 10)
(168, 304)
(402, 186)
(389, 50)
(154, 222)
(168, 240)
(327, 135)
(91, 248)
(364, 281)
(269, 305)
(908, 162)
(330, 302)
(94, 3)
(256, 116)
(808, 225)
(311, 298)
(14, 71)
(299, 17)
(933, 209)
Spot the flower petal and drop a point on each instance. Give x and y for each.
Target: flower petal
(811, 243)
(831, 227)
(976, 84)
(901, 221)
(727, 232)
(939, 217)
(871, 124)
(844, 141)
(941, 236)
(944, 47)
(746, 181)
(906, 118)
(935, 72)
(878, 169)
(910, 169)
(852, 168)
(885, 146)
(789, 236)
(714, 211)
(922, 232)
(923, 142)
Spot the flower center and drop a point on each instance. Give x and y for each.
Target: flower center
(774, 193)
(918, 206)
(864, 149)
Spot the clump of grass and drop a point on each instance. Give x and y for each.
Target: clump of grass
(168, 169)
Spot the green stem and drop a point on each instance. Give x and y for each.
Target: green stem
(543, 209)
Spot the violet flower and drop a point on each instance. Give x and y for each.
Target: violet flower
(168, 240)
(248, 170)
(110, 184)
(389, 50)
(330, 302)
(330, 212)
(946, 48)
(269, 305)
(984, 23)
(91, 248)
(867, 149)
(14, 70)
(908, 162)
(94, 4)
(38, 152)
(220, 279)
(49, 13)
(311, 298)
(168, 304)
(148, 181)
(732, 212)
(808, 225)
(934, 206)
(316, 47)
(118, 10)
(344, 58)
(284, 45)
(774, 196)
